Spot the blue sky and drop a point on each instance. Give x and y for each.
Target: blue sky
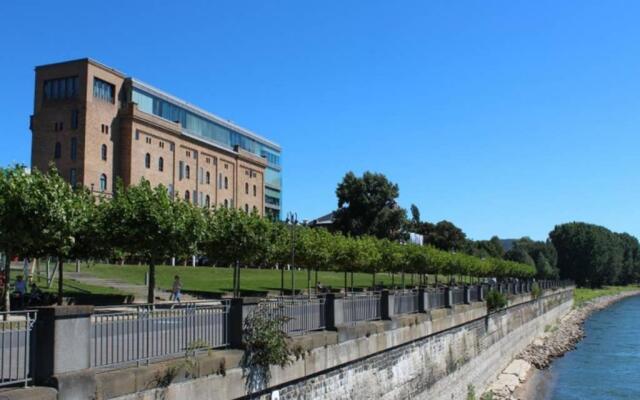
(505, 117)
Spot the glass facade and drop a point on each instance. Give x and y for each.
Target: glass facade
(216, 133)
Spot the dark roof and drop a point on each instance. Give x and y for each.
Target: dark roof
(324, 220)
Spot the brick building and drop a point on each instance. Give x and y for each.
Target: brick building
(96, 124)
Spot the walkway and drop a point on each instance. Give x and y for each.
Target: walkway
(138, 291)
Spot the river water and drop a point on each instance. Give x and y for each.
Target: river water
(605, 364)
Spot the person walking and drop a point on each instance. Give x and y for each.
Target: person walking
(175, 289)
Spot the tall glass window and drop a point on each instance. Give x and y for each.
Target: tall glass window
(73, 177)
(103, 90)
(61, 88)
(160, 164)
(103, 152)
(103, 183)
(57, 150)
(74, 149)
(147, 160)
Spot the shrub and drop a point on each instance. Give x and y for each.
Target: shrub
(496, 300)
(265, 344)
(536, 292)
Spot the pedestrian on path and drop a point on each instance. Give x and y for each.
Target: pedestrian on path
(175, 290)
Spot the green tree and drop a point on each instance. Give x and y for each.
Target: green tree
(368, 205)
(141, 220)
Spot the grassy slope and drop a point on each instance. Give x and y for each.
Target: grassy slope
(582, 295)
(218, 280)
(72, 287)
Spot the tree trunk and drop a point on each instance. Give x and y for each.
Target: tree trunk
(152, 283)
(345, 282)
(77, 265)
(351, 281)
(309, 282)
(373, 285)
(237, 288)
(282, 281)
(7, 280)
(60, 280)
(316, 280)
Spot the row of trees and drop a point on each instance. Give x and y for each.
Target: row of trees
(40, 215)
(593, 255)
(367, 205)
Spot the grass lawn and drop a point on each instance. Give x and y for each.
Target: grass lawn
(582, 295)
(71, 287)
(220, 280)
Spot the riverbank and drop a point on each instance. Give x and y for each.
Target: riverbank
(518, 380)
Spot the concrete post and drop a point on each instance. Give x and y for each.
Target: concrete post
(467, 295)
(63, 335)
(480, 293)
(448, 297)
(333, 312)
(387, 306)
(423, 300)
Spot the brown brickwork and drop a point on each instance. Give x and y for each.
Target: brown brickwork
(138, 145)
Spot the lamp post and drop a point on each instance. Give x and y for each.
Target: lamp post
(292, 221)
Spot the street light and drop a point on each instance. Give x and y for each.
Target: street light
(292, 221)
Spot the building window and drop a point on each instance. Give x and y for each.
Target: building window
(147, 160)
(187, 172)
(103, 183)
(181, 170)
(148, 140)
(188, 153)
(207, 201)
(74, 149)
(201, 199)
(62, 88)
(208, 178)
(208, 160)
(226, 166)
(246, 188)
(246, 208)
(187, 195)
(195, 197)
(220, 181)
(74, 119)
(73, 177)
(103, 90)
(226, 183)
(254, 209)
(103, 152)
(160, 164)
(255, 191)
(201, 175)
(226, 203)
(57, 150)
(137, 135)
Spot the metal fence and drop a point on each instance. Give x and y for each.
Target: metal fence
(436, 298)
(457, 295)
(17, 347)
(406, 302)
(143, 333)
(361, 307)
(302, 314)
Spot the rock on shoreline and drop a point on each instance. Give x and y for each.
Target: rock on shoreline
(553, 344)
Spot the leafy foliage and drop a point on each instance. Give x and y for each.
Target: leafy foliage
(265, 344)
(495, 300)
(368, 206)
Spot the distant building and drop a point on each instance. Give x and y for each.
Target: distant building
(96, 124)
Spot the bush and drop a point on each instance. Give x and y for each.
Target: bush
(265, 344)
(496, 300)
(536, 292)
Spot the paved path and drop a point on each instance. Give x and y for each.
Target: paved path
(138, 291)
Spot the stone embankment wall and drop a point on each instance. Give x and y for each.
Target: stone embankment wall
(421, 356)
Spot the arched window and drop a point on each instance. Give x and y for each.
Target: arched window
(103, 183)
(226, 203)
(226, 183)
(57, 150)
(246, 208)
(246, 188)
(255, 209)
(103, 152)
(160, 164)
(147, 160)
(187, 172)
(208, 175)
(255, 191)
(207, 201)
(187, 195)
